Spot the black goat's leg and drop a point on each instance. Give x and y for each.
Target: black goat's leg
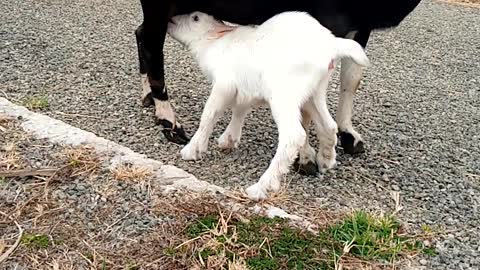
(150, 40)
(350, 77)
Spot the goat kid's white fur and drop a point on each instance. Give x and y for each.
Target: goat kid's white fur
(285, 62)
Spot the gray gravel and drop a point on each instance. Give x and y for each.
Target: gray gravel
(418, 109)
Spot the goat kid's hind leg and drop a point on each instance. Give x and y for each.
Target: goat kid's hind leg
(291, 135)
(305, 163)
(230, 138)
(350, 77)
(217, 102)
(326, 128)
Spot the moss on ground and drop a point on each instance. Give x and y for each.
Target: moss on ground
(35, 240)
(36, 103)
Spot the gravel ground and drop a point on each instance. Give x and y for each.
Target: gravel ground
(418, 109)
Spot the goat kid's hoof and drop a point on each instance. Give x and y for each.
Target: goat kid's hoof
(349, 146)
(191, 152)
(226, 142)
(325, 164)
(173, 134)
(256, 193)
(310, 168)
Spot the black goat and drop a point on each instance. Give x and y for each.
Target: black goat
(345, 18)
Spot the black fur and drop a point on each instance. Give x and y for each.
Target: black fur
(174, 134)
(148, 100)
(347, 141)
(310, 168)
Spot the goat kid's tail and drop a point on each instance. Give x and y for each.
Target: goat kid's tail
(350, 48)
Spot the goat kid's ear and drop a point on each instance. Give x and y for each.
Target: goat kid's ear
(220, 30)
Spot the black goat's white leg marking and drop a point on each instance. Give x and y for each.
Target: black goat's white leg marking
(164, 112)
(305, 163)
(350, 77)
(165, 116)
(147, 99)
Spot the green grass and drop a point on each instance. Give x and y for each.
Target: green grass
(266, 243)
(3, 180)
(132, 266)
(373, 237)
(278, 245)
(35, 240)
(36, 103)
(202, 225)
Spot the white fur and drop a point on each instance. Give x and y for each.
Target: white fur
(163, 108)
(145, 85)
(350, 76)
(285, 63)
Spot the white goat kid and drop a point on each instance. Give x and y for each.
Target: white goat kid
(286, 62)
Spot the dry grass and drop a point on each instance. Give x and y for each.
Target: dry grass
(9, 160)
(5, 119)
(82, 160)
(130, 173)
(9, 156)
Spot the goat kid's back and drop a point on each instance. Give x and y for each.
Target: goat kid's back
(300, 39)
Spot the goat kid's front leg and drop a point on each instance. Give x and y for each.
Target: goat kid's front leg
(231, 136)
(215, 106)
(291, 138)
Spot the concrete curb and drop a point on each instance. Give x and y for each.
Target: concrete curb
(43, 127)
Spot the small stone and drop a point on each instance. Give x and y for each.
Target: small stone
(423, 262)
(450, 221)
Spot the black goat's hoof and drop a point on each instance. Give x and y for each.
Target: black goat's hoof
(148, 100)
(310, 168)
(347, 141)
(173, 134)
